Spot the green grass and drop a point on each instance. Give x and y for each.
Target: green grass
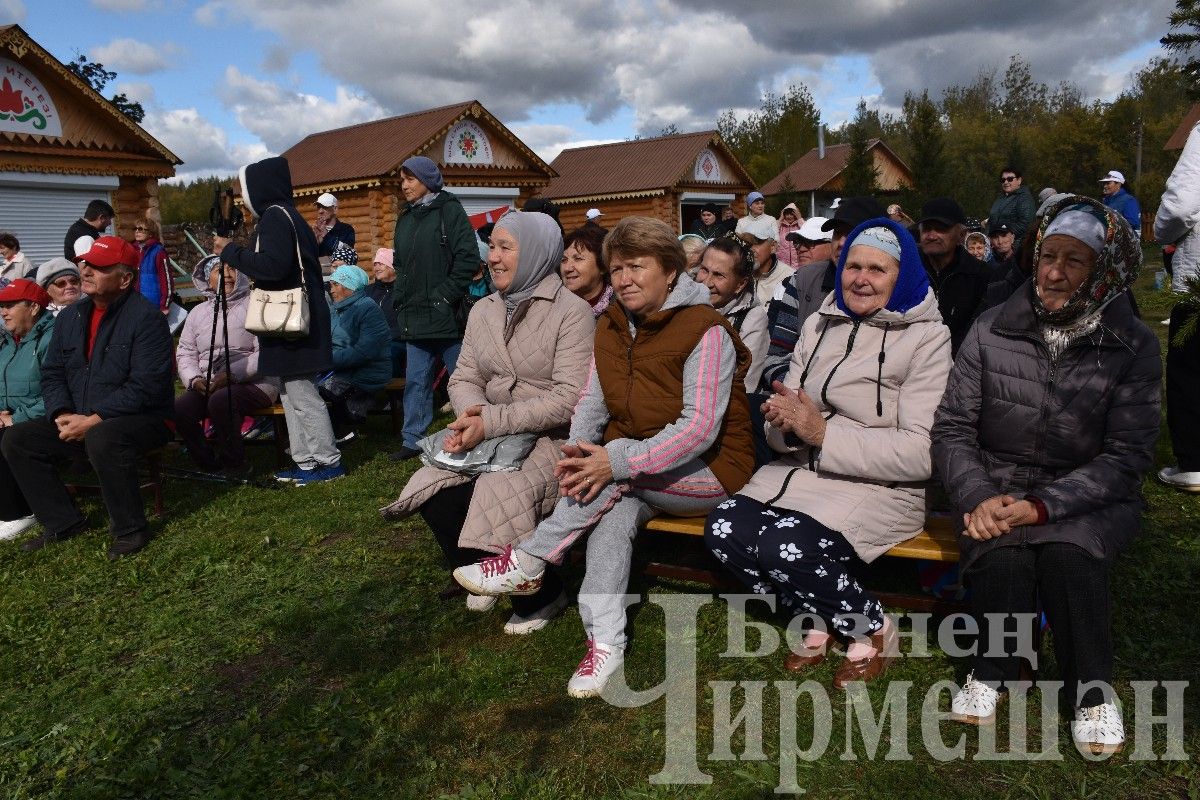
(289, 644)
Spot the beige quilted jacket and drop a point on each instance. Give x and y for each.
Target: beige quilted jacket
(529, 384)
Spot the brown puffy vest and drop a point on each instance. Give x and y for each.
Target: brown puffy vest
(642, 381)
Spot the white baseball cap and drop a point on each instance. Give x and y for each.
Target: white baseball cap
(811, 230)
(1113, 175)
(327, 200)
(592, 213)
(837, 202)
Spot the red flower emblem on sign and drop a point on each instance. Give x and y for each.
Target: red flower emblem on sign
(707, 167)
(11, 100)
(467, 145)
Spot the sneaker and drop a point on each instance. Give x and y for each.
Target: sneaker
(500, 574)
(405, 453)
(600, 662)
(480, 603)
(14, 528)
(263, 429)
(519, 626)
(1187, 481)
(128, 544)
(1098, 730)
(345, 438)
(290, 475)
(320, 475)
(975, 703)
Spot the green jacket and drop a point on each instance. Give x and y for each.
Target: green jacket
(21, 370)
(432, 275)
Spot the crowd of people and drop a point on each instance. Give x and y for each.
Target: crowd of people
(801, 382)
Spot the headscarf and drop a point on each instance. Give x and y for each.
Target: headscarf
(1117, 260)
(540, 249)
(352, 278)
(912, 285)
(346, 253)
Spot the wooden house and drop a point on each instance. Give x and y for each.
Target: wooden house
(815, 179)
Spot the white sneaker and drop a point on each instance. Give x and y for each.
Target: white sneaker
(600, 662)
(480, 603)
(1187, 481)
(1098, 730)
(14, 528)
(498, 575)
(519, 626)
(975, 703)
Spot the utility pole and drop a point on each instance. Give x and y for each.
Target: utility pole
(1137, 171)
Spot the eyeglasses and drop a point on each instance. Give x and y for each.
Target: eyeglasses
(62, 283)
(1008, 178)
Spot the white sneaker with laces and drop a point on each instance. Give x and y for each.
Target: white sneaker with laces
(975, 703)
(480, 603)
(519, 626)
(1187, 481)
(1098, 730)
(498, 575)
(14, 528)
(598, 665)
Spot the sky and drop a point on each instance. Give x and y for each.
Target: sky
(226, 82)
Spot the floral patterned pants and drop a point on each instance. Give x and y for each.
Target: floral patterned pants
(803, 562)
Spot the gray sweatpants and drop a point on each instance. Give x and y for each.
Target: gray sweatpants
(613, 517)
(310, 432)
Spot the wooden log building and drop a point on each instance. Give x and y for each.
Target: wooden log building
(815, 179)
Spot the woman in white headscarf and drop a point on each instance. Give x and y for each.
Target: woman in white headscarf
(524, 357)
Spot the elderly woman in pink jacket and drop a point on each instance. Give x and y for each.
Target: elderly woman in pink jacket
(851, 423)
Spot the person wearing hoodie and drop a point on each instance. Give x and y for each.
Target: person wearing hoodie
(851, 423)
(790, 220)
(154, 273)
(708, 225)
(436, 255)
(281, 235)
(362, 357)
(682, 448)
(209, 391)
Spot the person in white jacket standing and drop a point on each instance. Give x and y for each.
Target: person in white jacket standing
(1178, 222)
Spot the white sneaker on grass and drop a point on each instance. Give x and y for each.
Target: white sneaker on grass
(1098, 730)
(598, 665)
(519, 626)
(14, 528)
(480, 603)
(498, 575)
(1187, 481)
(975, 703)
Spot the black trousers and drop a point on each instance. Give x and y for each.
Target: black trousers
(1183, 392)
(1073, 589)
(446, 512)
(34, 452)
(191, 409)
(12, 500)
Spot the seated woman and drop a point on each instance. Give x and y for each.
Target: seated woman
(23, 344)
(60, 279)
(1048, 424)
(683, 447)
(362, 351)
(583, 270)
(693, 247)
(852, 419)
(726, 267)
(380, 292)
(521, 369)
(211, 393)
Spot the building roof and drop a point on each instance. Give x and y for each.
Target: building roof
(1179, 137)
(811, 173)
(378, 148)
(642, 166)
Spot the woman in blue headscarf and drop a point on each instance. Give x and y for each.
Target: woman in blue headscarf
(851, 422)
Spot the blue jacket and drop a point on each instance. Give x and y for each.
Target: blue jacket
(1127, 206)
(21, 369)
(130, 371)
(362, 343)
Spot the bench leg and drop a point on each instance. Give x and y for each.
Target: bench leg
(396, 404)
(279, 423)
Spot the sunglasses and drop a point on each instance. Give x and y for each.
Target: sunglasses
(141, 229)
(1008, 178)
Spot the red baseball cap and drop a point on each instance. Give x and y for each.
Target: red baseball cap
(24, 289)
(108, 251)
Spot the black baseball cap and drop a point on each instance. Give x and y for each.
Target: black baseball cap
(854, 211)
(997, 228)
(943, 209)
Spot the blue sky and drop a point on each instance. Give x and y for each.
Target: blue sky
(227, 81)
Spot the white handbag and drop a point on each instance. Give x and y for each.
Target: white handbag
(280, 313)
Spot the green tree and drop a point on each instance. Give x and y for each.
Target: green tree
(860, 175)
(188, 202)
(1184, 24)
(98, 77)
(771, 138)
(927, 143)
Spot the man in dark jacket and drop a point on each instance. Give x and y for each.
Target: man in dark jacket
(958, 279)
(281, 237)
(435, 257)
(95, 220)
(330, 231)
(1014, 207)
(107, 388)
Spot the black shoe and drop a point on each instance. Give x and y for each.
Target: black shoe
(128, 544)
(452, 590)
(45, 538)
(405, 453)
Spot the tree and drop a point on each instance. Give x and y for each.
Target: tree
(98, 77)
(777, 134)
(1185, 33)
(188, 202)
(860, 176)
(927, 141)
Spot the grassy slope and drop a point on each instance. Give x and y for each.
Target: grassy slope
(288, 644)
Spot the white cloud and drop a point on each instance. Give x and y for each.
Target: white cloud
(133, 57)
(123, 6)
(550, 140)
(12, 10)
(204, 148)
(137, 91)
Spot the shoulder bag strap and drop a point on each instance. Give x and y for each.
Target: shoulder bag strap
(296, 240)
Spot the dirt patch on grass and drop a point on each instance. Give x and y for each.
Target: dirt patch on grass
(238, 678)
(335, 538)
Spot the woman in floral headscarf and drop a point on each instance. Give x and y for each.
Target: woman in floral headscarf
(1042, 438)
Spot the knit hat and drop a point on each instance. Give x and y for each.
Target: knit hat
(912, 285)
(711, 208)
(346, 253)
(753, 197)
(24, 289)
(54, 269)
(424, 170)
(352, 278)
(383, 256)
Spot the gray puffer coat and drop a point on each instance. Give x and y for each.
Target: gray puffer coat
(1078, 434)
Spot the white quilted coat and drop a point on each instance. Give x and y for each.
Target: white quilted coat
(1178, 219)
(530, 384)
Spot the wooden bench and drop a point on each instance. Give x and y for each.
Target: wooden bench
(937, 542)
(153, 482)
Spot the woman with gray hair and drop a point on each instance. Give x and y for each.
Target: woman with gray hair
(1046, 429)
